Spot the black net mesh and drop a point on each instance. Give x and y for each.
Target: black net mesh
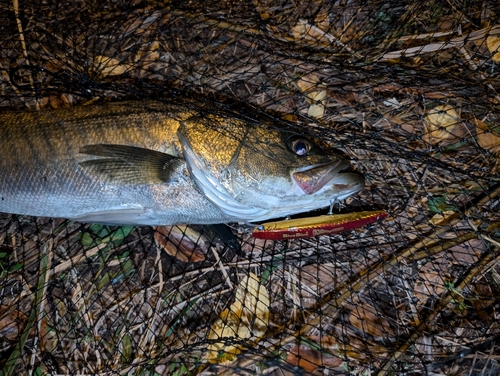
(407, 89)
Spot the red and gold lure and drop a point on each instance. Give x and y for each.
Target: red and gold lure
(315, 226)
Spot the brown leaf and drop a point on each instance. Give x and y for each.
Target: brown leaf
(351, 347)
(182, 242)
(318, 280)
(12, 323)
(391, 122)
(430, 280)
(438, 218)
(61, 101)
(309, 359)
(466, 253)
(254, 245)
(308, 83)
(483, 299)
(487, 139)
(48, 336)
(364, 318)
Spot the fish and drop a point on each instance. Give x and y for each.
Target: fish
(154, 163)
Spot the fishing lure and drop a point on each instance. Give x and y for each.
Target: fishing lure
(315, 226)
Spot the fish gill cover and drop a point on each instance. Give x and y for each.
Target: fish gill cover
(406, 89)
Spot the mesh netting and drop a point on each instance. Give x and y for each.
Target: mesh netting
(406, 89)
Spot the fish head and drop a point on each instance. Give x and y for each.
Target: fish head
(254, 172)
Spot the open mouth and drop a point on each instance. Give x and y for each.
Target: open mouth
(316, 177)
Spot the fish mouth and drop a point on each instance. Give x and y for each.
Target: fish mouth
(312, 179)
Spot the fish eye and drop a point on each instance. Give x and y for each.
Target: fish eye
(300, 146)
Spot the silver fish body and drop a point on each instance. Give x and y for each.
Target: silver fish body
(152, 163)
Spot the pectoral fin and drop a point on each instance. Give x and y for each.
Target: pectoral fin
(129, 164)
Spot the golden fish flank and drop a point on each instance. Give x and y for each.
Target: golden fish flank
(152, 163)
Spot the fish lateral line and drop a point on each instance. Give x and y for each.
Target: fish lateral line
(309, 227)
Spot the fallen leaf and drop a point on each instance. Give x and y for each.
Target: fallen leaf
(441, 205)
(12, 323)
(318, 280)
(440, 123)
(493, 43)
(316, 111)
(300, 30)
(308, 82)
(487, 139)
(48, 336)
(391, 122)
(466, 253)
(182, 242)
(61, 101)
(244, 321)
(148, 54)
(364, 318)
(254, 245)
(312, 88)
(484, 297)
(430, 280)
(305, 30)
(441, 217)
(392, 102)
(352, 347)
(322, 21)
(265, 8)
(309, 359)
(108, 66)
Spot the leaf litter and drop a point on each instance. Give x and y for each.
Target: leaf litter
(428, 145)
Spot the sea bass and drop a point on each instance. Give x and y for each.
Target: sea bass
(153, 163)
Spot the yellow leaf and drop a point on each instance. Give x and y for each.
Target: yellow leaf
(318, 96)
(493, 43)
(309, 85)
(148, 54)
(308, 82)
(316, 111)
(245, 320)
(440, 123)
(299, 31)
(321, 20)
(108, 66)
(487, 139)
(440, 217)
